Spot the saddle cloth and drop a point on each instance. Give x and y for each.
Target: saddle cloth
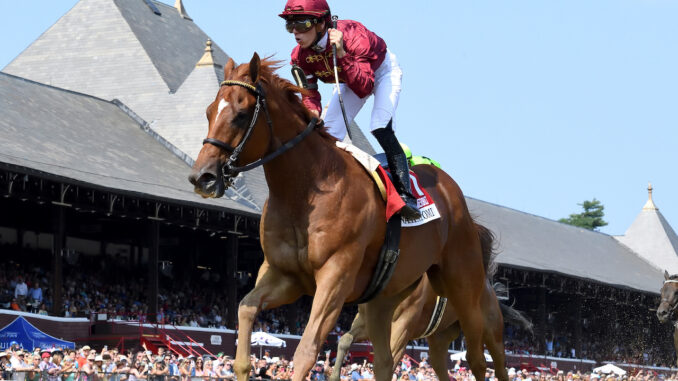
(382, 179)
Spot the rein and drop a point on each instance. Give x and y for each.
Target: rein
(229, 170)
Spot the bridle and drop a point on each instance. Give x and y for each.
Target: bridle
(229, 170)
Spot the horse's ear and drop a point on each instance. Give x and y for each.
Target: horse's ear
(255, 64)
(666, 275)
(229, 68)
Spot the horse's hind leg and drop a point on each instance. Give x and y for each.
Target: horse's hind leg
(271, 290)
(494, 332)
(358, 332)
(465, 293)
(438, 344)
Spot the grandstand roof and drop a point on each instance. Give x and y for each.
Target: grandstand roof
(651, 236)
(533, 242)
(87, 139)
(122, 49)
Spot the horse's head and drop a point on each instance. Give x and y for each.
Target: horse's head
(238, 133)
(669, 298)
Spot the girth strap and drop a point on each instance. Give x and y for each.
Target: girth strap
(388, 258)
(436, 317)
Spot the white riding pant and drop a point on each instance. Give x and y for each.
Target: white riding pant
(386, 91)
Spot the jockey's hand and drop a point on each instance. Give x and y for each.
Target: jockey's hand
(315, 113)
(337, 38)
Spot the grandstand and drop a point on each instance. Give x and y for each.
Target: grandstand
(98, 141)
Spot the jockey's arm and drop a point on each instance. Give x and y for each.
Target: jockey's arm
(357, 68)
(311, 98)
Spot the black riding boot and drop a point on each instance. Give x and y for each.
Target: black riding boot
(397, 163)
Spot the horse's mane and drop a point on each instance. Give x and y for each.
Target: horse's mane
(290, 92)
(673, 277)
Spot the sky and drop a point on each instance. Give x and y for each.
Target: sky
(534, 105)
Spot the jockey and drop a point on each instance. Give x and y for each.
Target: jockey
(365, 67)
(416, 160)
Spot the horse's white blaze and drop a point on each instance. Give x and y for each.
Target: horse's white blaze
(222, 105)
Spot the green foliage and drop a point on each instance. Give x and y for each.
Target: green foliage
(591, 218)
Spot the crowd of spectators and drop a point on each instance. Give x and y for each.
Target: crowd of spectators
(89, 364)
(24, 286)
(198, 303)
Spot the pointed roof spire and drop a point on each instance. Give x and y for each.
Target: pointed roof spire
(649, 205)
(207, 58)
(179, 5)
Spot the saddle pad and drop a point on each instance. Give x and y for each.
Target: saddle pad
(394, 203)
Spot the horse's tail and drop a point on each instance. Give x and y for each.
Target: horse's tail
(487, 245)
(515, 317)
(512, 315)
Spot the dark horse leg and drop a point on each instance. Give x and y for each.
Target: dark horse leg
(675, 340)
(272, 289)
(358, 332)
(438, 344)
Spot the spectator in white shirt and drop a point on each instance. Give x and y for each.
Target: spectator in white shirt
(21, 289)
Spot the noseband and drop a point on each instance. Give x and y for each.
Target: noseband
(230, 171)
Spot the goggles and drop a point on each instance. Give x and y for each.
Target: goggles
(301, 26)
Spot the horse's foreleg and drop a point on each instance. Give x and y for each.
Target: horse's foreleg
(358, 332)
(271, 290)
(675, 341)
(332, 289)
(438, 344)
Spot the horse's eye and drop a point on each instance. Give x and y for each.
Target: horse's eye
(240, 120)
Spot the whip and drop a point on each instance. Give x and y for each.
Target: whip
(336, 79)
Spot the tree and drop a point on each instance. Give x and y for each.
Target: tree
(591, 218)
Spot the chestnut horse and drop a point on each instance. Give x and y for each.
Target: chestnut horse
(666, 312)
(412, 319)
(323, 224)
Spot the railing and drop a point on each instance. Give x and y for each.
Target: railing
(36, 375)
(163, 332)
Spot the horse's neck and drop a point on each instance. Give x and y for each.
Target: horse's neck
(298, 173)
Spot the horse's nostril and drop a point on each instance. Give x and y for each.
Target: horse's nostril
(206, 178)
